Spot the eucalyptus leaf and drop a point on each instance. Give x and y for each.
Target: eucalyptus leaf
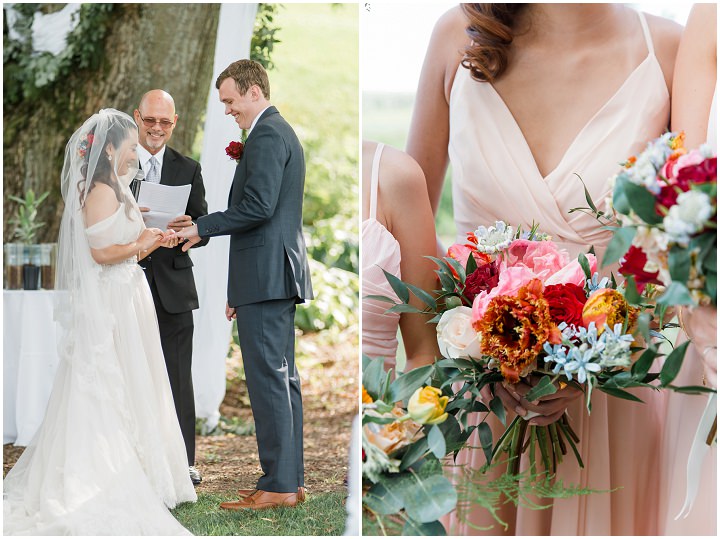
(429, 499)
(436, 442)
(414, 453)
(432, 529)
(641, 367)
(373, 377)
(620, 393)
(471, 265)
(423, 296)
(383, 499)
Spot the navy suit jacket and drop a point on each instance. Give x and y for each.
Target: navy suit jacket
(268, 257)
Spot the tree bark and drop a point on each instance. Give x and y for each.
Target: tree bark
(168, 46)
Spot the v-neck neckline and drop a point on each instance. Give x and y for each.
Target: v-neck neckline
(577, 136)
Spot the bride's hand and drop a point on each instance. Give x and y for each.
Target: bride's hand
(149, 238)
(169, 239)
(547, 409)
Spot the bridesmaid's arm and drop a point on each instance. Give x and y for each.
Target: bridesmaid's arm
(429, 130)
(695, 75)
(404, 208)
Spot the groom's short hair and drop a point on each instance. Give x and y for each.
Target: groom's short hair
(245, 73)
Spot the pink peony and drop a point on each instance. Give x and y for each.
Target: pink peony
(572, 273)
(542, 258)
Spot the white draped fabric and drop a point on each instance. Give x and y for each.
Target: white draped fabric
(212, 331)
(30, 360)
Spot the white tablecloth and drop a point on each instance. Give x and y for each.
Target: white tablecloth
(29, 361)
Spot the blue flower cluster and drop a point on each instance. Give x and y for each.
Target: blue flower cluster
(583, 352)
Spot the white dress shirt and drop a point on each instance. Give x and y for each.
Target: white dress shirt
(252, 125)
(144, 158)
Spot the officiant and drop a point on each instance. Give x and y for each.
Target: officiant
(169, 271)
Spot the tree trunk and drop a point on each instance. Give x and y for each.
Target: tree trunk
(168, 46)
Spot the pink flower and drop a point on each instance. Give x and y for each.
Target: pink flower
(572, 273)
(461, 252)
(511, 280)
(542, 258)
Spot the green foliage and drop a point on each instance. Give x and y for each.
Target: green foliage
(336, 299)
(29, 76)
(263, 39)
(334, 242)
(24, 222)
(320, 515)
(226, 425)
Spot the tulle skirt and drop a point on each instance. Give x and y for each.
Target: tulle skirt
(109, 458)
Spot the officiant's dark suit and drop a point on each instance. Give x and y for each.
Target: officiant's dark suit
(268, 276)
(170, 276)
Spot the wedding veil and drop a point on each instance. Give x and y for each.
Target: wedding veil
(79, 309)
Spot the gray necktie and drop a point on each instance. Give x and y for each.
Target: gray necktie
(153, 174)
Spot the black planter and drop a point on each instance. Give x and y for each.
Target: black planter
(31, 277)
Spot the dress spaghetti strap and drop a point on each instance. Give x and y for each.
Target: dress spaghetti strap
(646, 33)
(374, 180)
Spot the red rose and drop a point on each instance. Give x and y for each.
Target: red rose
(566, 302)
(235, 150)
(704, 172)
(485, 278)
(633, 263)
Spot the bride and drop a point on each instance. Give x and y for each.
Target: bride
(109, 457)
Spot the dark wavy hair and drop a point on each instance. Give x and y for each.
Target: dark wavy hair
(491, 29)
(103, 173)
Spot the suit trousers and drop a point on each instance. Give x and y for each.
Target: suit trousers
(176, 335)
(267, 341)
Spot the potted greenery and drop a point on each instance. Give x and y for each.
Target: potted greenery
(26, 227)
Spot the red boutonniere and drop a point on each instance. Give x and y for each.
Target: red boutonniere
(235, 150)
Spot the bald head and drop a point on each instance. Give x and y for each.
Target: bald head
(156, 119)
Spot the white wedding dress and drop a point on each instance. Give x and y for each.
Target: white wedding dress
(109, 458)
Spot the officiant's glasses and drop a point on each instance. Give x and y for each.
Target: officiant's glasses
(150, 122)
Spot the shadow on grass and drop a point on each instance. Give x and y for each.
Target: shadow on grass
(321, 514)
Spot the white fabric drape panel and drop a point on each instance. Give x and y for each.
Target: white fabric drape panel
(212, 330)
(30, 360)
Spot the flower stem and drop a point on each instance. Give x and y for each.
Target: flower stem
(557, 450)
(543, 443)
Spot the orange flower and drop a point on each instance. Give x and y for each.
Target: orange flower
(366, 398)
(630, 161)
(607, 306)
(514, 330)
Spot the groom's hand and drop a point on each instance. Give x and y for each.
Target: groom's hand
(190, 234)
(230, 313)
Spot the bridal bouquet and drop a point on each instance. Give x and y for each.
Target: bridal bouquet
(513, 308)
(665, 202)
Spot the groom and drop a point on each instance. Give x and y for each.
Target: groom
(268, 276)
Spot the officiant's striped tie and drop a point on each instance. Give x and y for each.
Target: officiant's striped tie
(153, 174)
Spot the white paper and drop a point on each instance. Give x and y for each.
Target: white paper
(164, 201)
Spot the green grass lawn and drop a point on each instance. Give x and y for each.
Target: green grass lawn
(321, 514)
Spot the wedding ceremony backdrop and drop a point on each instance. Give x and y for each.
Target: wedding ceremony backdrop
(64, 62)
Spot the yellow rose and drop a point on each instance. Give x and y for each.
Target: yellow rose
(606, 306)
(427, 407)
(366, 398)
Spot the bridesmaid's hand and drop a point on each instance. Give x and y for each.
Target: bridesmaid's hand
(544, 411)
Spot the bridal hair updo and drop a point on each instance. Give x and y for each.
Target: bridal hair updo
(118, 131)
(491, 29)
(245, 73)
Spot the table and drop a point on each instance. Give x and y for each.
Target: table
(29, 361)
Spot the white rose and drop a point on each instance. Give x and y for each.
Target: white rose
(686, 217)
(456, 336)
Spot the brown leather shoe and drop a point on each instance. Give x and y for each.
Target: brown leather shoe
(262, 499)
(245, 492)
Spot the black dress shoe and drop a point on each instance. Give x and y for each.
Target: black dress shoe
(195, 476)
